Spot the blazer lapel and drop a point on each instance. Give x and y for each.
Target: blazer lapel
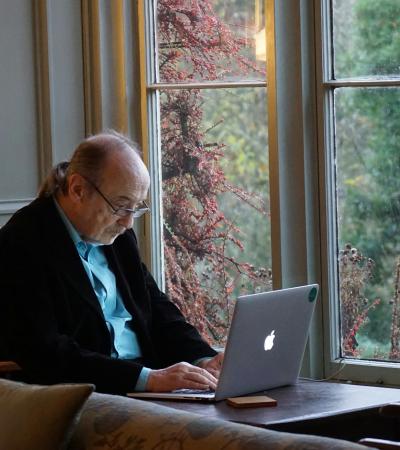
(134, 295)
(63, 252)
(125, 286)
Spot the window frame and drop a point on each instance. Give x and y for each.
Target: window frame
(293, 196)
(151, 88)
(302, 188)
(375, 372)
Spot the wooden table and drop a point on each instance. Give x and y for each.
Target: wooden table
(314, 407)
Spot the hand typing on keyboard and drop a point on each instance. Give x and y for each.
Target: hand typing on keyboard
(180, 376)
(213, 365)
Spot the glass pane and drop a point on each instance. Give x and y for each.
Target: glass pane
(204, 40)
(215, 201)
(368, 196)
(366, 38)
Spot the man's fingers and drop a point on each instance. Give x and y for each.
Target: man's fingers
(191, 384)
(214, 372)
(195, 371)
(205, 373)
(213, 365)
(219, 359)
(178, 376)
(201, 376)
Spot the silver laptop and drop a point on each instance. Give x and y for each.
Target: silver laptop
(265, 346)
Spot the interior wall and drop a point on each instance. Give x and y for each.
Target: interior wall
(18, 122)
(67, 71)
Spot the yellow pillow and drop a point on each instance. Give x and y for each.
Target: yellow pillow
(36, 417)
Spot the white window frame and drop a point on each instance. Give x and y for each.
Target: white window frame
(384, 373)
(303, 229)
(295, 227)
(153, 88)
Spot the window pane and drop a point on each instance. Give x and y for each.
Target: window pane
(366, 37)
(368, 195)
(211, 40)
(215, 201)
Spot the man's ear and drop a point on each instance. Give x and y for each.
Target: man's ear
(76, 188)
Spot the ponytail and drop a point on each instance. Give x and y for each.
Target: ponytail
(55, 181)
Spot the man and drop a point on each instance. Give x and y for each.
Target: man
(76, 302)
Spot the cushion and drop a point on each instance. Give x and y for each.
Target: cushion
(114, 423)
(38, 417)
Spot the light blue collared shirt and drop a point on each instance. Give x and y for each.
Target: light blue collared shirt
(117, 317)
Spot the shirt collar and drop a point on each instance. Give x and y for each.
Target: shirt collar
(82, 246)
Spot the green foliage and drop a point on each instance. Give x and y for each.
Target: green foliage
(237, 117)
(379, 34)
(367, 37)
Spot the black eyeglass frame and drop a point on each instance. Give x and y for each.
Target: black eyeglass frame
(121, 212)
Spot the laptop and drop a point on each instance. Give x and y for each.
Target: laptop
(265, 345)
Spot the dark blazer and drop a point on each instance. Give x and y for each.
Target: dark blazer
(51, 319)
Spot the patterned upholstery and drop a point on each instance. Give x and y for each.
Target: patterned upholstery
(112, 422)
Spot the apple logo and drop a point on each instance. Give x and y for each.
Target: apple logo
(269, 341)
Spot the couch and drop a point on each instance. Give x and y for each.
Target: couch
(73, 417)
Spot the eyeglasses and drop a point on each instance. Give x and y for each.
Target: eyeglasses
(121, 212)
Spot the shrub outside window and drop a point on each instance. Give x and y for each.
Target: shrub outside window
(209, 86)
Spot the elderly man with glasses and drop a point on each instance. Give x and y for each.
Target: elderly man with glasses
(77, 304)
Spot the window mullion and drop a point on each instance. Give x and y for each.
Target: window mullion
(157, 258)
(206, 85)
(286, 137)
(153, 157)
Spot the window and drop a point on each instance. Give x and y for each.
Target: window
(361, 95)
(328, 211)
(206, 96)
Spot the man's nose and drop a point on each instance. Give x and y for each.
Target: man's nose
(127, 221)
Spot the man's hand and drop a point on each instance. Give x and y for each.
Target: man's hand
(213, 365)
(180, 376)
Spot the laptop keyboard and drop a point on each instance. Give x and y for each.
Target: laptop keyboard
(193, 391)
